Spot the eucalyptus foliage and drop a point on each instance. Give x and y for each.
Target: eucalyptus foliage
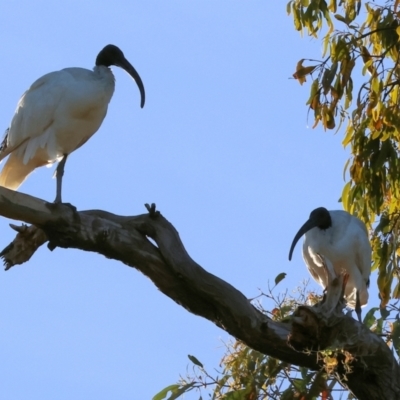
(246, 374)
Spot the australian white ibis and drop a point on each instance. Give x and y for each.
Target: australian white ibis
(343, 240)
(58, 114)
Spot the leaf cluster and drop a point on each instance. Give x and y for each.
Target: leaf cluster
(246, 374)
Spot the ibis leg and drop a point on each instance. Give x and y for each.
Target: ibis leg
(358, 306)
(59, 175)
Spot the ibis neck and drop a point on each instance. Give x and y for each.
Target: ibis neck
(106, 77)
(103, 71)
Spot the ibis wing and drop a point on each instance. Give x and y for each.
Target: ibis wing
(35, 112)
(363, 255)
(317, 271)
(362, 248)
(363, 263)
(361, 226)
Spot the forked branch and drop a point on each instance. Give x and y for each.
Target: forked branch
(370, 373)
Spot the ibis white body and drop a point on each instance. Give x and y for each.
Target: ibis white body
(54, 117)
(342, 240)
(58, 114)
(346, 246)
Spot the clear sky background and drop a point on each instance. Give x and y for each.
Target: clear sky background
(223, 147)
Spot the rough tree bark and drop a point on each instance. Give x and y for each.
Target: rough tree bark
(363, 363)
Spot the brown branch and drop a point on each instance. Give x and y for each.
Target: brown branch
(374, 372)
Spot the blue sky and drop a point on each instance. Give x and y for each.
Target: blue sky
(223, 148)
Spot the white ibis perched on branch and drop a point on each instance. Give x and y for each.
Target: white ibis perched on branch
(342, 239)
(58, 114)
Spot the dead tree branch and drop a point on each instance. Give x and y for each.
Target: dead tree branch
(364, 362)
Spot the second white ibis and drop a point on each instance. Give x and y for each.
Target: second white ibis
(58, 114)
(343, 240)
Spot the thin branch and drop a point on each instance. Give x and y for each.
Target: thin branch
(374, 31)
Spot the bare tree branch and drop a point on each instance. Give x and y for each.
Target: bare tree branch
(365, 363)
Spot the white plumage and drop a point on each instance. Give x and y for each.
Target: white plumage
(342, 239)
(58, 114)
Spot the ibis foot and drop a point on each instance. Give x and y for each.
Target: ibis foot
(56, 204)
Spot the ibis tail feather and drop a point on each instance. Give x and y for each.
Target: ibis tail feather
(15, 172)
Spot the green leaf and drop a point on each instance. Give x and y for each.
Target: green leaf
(303, 371)
(177, 393)
(194, 360)
(349, 137)
(340, 18)
(344, 175)
(370, 319)
(280, 277)
(396, 336)
(345, 196)
(302, 72)
(288, 7)
(375, 85)
(296, 16)
(314, 91)
(299, 384)
(328, 77)
(396, 291)
(325, 44)
(163, 393)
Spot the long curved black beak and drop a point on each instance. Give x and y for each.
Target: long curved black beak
(309, 224)
(127, 66)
